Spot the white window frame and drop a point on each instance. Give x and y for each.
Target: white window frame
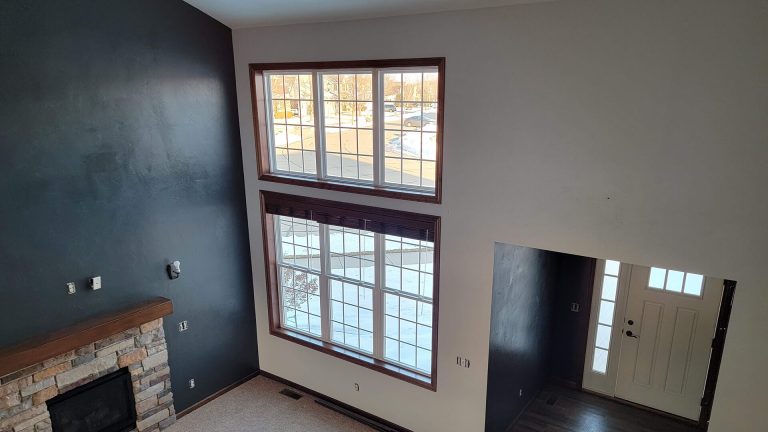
(378, 129)
(379, 289)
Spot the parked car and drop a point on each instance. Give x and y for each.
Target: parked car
(420, 120)
(389, 107)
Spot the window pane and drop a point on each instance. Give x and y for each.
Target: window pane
(300, 297)
(675, 281)
(612, 267)
(424, 360)
(600, 360)
(609, 288)
(348, 103)
(410, 128)
(391, 349)
(408, 354)
(352, 253)
(606, 312)
(299, 242)
(352, 320)
(408, 322)
(305, 87)
(603, 336)
(430, 87)
(409, 265)
(693, 283)
(657, 278)
(276, 86)
(291, 86)
(291, 110)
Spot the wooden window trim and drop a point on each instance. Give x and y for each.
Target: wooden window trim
(354, 210)
(258, 98)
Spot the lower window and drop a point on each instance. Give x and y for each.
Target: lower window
(354, 281)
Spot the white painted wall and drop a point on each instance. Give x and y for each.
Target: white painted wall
(635, 130)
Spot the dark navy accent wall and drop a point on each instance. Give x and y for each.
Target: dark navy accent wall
(570, 330)
(535, 337)
(120, 151)
(521, 323)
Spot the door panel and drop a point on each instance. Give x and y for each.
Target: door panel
(645, 358)
(685, 330)
(663, 363)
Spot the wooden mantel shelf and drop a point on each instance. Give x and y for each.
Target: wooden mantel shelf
(33, 351)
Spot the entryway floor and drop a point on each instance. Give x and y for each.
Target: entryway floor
(258, 406)
(560, 409)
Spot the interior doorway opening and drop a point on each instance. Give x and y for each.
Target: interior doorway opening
(569, 322)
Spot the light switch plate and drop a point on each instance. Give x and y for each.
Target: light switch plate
(95, 282)
(71, 288)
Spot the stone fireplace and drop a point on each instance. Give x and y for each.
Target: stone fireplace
(123, 343)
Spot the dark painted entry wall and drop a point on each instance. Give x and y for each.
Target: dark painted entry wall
(120, 151)
(534, 335)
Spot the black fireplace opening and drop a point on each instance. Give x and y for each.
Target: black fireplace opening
(104, 405)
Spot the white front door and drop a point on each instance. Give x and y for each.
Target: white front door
(666, 339)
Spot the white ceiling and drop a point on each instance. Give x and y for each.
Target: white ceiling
(252, 13)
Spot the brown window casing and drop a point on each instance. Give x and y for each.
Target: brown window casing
(258, 99)
(424, 227)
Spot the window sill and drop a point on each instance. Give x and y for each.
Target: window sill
(354, 188)
(357, 358)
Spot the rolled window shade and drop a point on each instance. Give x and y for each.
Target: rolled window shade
(392, 222)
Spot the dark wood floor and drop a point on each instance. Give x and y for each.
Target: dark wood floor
(560, 409)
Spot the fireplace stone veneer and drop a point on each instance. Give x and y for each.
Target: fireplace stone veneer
(142, 350)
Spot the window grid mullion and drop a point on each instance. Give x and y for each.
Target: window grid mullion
(279, 259)
(269, 117)
(378, 297)
(325, 298)
(377, 90)
(407, 295)
(319, 113)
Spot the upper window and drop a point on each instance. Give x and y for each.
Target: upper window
(354, 281)
(676, 281)
(366, 126)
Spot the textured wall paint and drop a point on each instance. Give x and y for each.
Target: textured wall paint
(524, 284)
(120, 151)
(633, 130)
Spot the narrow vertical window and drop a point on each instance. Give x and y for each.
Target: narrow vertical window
(607, 307)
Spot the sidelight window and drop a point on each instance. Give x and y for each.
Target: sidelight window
(607, 307)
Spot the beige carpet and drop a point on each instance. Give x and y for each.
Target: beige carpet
(257, 406)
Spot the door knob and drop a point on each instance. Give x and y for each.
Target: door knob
(630, 334)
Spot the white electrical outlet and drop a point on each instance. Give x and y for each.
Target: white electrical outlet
(183, 326)
(71, 288)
